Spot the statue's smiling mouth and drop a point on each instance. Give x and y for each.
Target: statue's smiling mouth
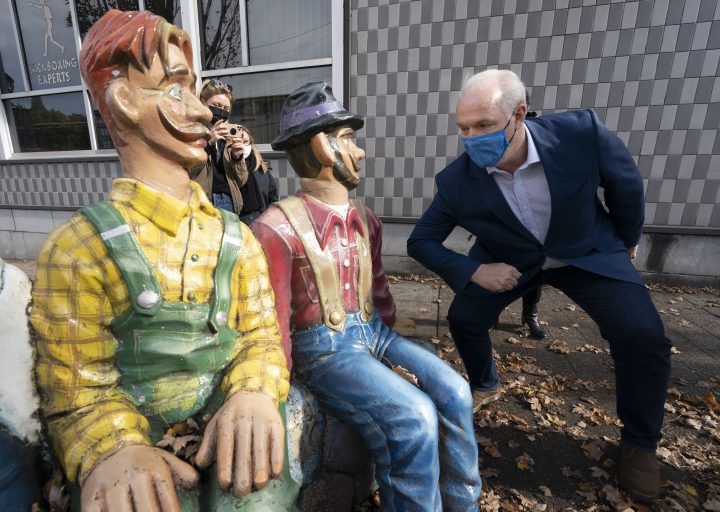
(191, 132)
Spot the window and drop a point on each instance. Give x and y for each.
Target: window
(263, 48)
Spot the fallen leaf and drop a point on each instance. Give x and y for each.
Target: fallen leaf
(712, 504)
(405, 374)
(710, 400)
(524, 462)
(558, 346)
(546, 492)
(55, 493)
(593, 449)
(512, 340)
(596, 472)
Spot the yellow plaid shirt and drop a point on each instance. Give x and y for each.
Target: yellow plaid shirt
(79, 290)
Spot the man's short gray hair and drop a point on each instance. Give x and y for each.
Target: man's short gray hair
(510, 85)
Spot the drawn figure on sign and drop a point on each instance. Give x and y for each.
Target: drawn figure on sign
(47, 13)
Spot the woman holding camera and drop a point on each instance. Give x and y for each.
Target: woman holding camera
(260, 190)
(225, 170)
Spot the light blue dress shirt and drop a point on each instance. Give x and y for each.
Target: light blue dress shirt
(527, 194)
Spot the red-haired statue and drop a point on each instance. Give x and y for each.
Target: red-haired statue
(154, 307)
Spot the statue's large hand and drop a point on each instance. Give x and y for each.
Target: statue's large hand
(247, 438)
(137, 478)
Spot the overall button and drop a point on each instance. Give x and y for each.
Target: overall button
(368, 308)
(336, 317)
(346, 262)
(200, 227)
(344, 242)
(221, 318)
(191, 296)
(347, 286)
(194, 257)
(147, 299)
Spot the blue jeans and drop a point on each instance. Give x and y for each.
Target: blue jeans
(422, 438)
(224, 201)
(627, 319)
(19, 488)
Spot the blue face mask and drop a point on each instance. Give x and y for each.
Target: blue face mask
(486, 150)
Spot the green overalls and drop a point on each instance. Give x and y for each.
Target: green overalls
(171, 355)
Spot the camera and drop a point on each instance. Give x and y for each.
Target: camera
(234, 130)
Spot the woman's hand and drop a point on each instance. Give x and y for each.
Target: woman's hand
(218, 131)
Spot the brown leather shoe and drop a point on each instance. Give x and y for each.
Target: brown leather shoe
(481, 397)
(639, 473)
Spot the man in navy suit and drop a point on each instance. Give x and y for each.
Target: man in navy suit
(527, 189)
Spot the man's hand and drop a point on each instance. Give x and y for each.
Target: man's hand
(218, 131)
(496, 277)
(247, 438)
(632, 251)
(137, 478)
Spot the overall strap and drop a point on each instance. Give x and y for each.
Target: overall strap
(321, 261)
(124, 250)
(364, 289)
(229, 250)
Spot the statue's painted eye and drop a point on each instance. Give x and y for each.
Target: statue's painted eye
(176, 92)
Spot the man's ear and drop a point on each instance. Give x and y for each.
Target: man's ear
(122, 104)
(322, 150)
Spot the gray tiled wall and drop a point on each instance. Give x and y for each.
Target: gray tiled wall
(649, 68)
(76, 184)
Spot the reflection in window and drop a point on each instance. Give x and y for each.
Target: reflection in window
(49, 43)
(48, 123)
(89, 11)
(10, 70)
(282, 31)
(220, 30)
(260, 97)
(104, 141)
(168, 9)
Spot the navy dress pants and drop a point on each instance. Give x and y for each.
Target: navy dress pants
(627, 319)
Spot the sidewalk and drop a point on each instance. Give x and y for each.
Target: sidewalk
(551, 441)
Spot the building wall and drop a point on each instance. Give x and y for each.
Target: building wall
(649, 68)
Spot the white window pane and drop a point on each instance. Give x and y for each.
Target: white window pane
(259, 97)
(10, 72)
(282, 31)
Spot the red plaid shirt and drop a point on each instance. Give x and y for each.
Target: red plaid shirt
(292, 277)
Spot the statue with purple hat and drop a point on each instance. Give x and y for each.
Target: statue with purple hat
(336, 312)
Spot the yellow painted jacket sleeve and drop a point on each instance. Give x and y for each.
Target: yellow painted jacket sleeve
(259, 363)
(87, 413)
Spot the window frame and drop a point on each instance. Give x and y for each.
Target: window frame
(189, 16)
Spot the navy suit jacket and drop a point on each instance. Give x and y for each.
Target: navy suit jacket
(579, 155)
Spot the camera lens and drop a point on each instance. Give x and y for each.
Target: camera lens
(233, 131)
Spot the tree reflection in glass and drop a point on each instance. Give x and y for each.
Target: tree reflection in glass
(89, 11)
(221, 32)
(48, 123)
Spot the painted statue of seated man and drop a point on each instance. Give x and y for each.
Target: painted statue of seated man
(335, 308)
(154, 306)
